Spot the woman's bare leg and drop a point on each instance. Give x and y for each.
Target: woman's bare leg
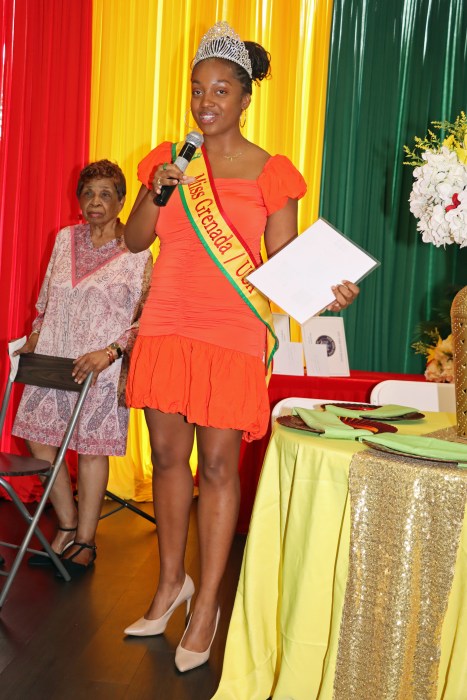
(171, 444)
(218, 504)
(61, 496)
(93, 475)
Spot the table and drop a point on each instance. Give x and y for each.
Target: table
(357, 387)
(284, 632)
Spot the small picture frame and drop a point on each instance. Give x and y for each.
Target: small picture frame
(325, 347)
(289, 359)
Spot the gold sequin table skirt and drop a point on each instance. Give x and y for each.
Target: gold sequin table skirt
(395, 627)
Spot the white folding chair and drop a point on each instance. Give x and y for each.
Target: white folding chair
(425, 396)
(54, 373)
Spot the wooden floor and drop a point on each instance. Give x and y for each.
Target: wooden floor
(64, 641)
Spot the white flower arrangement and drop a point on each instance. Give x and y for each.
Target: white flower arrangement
(439, 193)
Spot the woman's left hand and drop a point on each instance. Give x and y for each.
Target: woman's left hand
(93, 362)
(345, 294)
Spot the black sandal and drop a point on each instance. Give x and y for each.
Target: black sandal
(44, 559)
(74, 567)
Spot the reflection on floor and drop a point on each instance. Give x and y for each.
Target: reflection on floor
(64, 641)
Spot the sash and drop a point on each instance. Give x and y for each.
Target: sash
(223, 242)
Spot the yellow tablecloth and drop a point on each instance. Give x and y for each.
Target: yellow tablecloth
(284, 632)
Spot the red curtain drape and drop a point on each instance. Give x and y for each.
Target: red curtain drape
(44, 143)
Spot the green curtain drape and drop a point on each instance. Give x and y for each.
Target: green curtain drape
(394, 67)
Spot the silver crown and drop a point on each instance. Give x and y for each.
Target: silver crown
(221, 41)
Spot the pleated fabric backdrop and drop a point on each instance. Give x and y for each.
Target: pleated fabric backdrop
(394, 67)
(353, 80)
(45, 89)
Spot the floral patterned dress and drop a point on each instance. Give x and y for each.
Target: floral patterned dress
(90, 298)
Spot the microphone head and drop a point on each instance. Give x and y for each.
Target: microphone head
(195, 138)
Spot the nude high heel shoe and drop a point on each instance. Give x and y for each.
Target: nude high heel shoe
(146, 628)
(185, 660)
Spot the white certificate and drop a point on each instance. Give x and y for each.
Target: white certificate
(289, 359)
(300, 276)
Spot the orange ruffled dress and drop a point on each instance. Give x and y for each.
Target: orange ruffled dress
(200, 349)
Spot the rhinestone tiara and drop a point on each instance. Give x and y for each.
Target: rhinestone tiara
(221, 41)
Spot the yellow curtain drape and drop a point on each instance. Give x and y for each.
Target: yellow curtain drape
(142, 50)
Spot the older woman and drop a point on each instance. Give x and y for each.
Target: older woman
(88, 308)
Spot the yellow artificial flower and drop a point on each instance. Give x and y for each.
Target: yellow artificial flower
(439, 351)
(453, 145)
(446, 345)
(462, 153)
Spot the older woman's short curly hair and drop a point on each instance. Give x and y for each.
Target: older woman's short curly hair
(103, 169)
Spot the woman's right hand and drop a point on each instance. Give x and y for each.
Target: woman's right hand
(171, 175)
(29, 345)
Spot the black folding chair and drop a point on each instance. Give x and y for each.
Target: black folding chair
(53, 373)
(129, 506)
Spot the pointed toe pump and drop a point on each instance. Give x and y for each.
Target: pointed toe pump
(147, 628)
(185, 660)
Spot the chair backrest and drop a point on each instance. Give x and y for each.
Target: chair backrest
(46, 371)
(293, 401)
(426, 396)
(49, 372)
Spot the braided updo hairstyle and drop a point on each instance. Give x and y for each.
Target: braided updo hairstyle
(260, 66)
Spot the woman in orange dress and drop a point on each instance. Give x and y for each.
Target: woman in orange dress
(199, 360)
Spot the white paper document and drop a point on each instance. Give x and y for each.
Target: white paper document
(282, 327)
(289, 359)
(300, 276)
(14, 345)
(325, 347)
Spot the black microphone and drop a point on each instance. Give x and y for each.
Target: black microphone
(192, 142)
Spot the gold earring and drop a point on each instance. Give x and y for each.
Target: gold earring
(244, 119)
(186, 120)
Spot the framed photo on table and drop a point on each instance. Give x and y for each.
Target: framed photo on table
(325, 347)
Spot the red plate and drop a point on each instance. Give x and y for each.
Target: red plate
(399, 453)
(357, 423)
(368, 424)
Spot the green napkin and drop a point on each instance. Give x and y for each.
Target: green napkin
(421, 446)
(389, 411)
(331, 426)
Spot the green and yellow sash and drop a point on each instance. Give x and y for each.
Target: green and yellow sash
(223, 242)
